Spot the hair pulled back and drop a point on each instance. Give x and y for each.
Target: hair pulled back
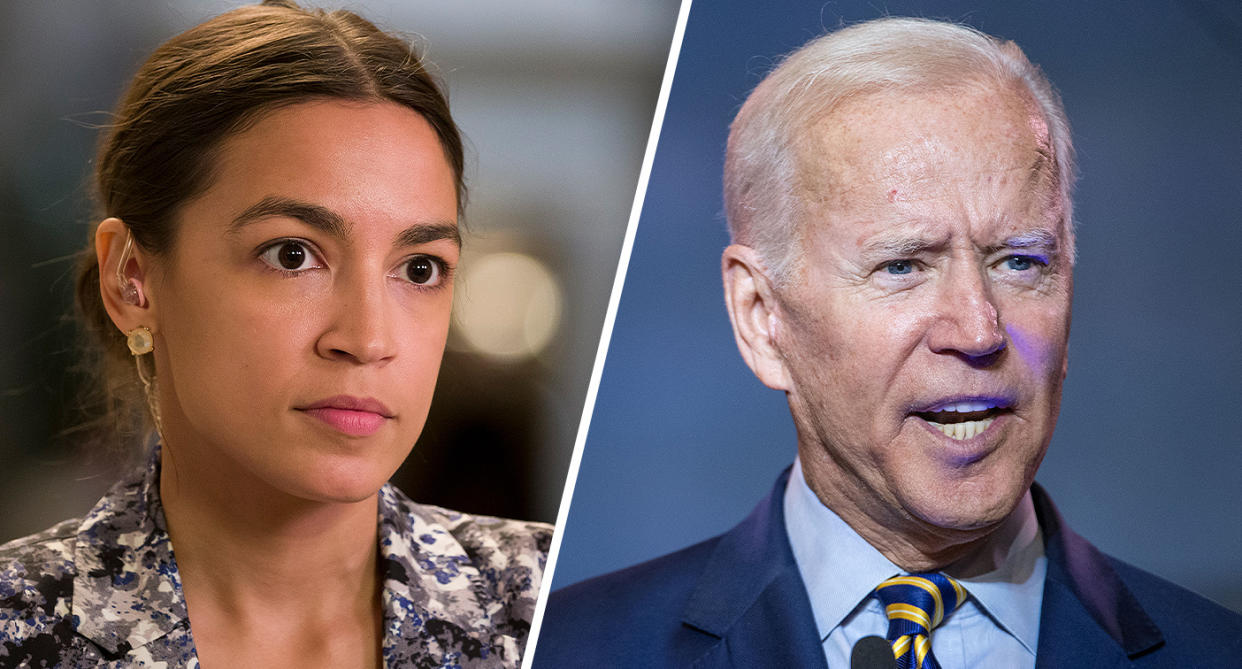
(205, 85)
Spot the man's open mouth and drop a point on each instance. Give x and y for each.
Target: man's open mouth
(964, 420)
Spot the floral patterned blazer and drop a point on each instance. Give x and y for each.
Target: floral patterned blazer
(103, 590)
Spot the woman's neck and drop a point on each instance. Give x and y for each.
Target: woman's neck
(259, 566)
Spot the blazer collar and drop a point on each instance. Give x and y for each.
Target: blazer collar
(127, 591)
(751, 596)
(434, 598)
(1083, 588)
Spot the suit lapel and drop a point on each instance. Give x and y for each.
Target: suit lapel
(1069, 636)
(1089, 617)
(751, 597)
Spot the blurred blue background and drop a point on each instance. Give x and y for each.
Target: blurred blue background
(555, 100)
(1147, 458)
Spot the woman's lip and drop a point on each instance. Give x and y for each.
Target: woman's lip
(349, 421)
(351, 403)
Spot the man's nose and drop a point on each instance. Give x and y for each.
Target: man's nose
(967, 322)
(361, 323)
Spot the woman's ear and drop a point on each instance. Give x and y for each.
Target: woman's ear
(755, 314)
(123, 270)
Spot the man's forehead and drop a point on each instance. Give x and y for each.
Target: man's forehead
(907, 146)
(915, 133)
(918, 181)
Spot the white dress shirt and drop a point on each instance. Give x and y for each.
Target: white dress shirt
(997, 625)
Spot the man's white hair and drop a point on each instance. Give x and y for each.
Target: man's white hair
(760, 192)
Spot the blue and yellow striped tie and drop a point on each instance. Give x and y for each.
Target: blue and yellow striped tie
(915, 605)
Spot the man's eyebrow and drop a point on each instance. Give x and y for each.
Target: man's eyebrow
(898, 247)
(1040, 238)
(423, 233)
(313, 215)
(902, 246)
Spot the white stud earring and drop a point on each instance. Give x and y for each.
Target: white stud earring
(141, 342)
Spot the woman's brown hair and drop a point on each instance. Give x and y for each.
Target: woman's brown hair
(205, 85)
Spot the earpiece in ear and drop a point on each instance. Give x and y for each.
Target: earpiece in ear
(131, 292)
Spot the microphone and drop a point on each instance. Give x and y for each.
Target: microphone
(873, 652)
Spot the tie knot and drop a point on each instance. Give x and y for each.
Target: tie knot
(919, 599)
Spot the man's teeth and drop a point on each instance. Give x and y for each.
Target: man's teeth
(967, 407)
(964, 430)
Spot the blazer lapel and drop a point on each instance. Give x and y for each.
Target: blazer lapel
(1089, 617)
(436, 610)
(1069, 636)
(751, 597)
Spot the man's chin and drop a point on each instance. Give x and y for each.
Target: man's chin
(969, 511)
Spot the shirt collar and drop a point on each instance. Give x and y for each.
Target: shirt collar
(1010, 593)
(1006, 577)
(819, 537)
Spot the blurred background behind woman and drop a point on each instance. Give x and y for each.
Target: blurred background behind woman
(555, 103)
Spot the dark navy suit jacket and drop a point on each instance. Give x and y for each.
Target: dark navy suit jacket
(738, 600)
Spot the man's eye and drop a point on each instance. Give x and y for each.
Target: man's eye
(1021, 263)
(900, 267)
(289, 256)
(424, 271)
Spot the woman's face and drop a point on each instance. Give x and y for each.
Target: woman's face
(301, 316)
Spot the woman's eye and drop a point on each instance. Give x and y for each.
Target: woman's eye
(424, 271)
(900, 267)
(289, 256)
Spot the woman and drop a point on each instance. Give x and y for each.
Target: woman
(271, 281)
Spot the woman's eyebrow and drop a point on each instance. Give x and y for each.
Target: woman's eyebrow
(313, 215)
(334, 224)
(423, 233)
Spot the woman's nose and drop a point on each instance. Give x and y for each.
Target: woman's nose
(360, 328)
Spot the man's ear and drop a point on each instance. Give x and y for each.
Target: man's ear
(123, 276)
(755, 314)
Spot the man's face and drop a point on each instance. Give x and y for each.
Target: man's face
(924, 333)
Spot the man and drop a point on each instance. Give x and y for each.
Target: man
(898, 195)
